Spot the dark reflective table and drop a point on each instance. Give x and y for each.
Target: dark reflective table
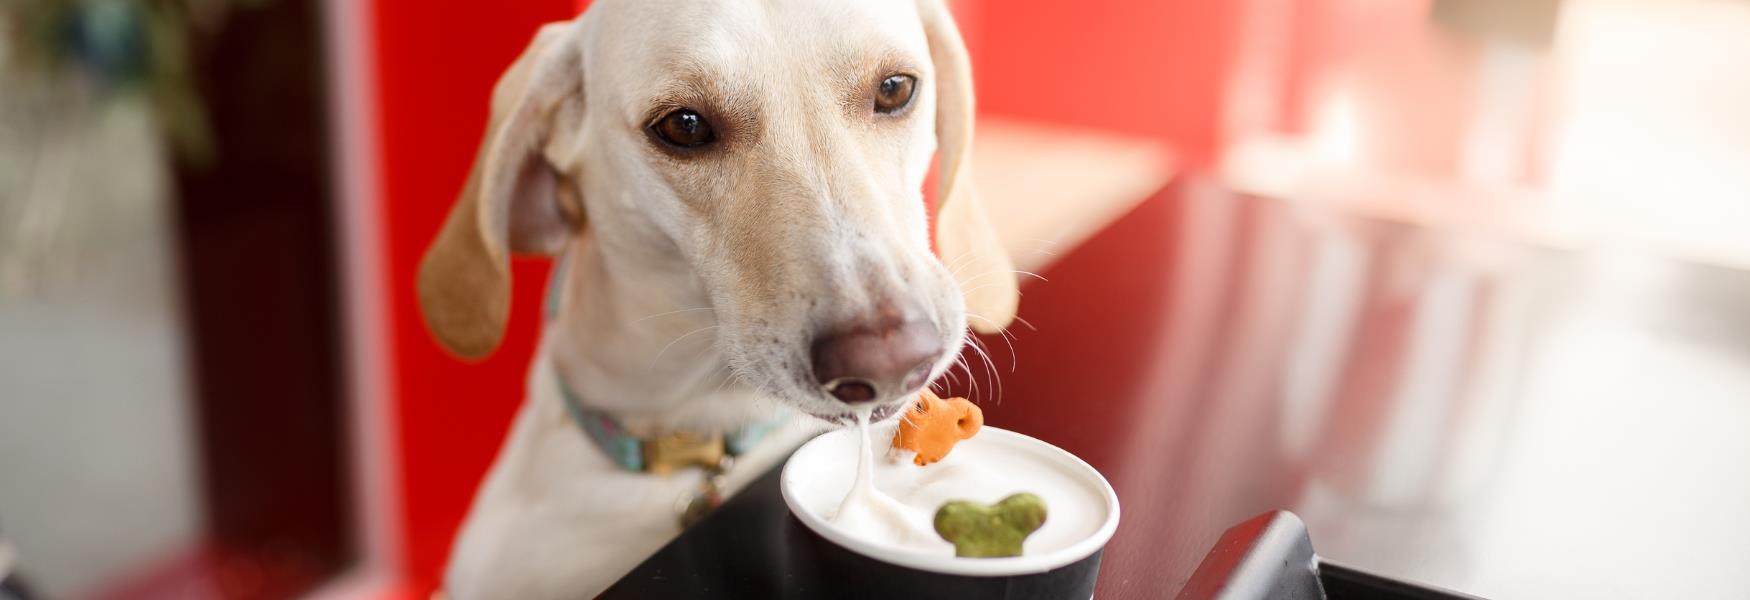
(1474, 413)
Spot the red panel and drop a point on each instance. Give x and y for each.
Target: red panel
(436, 63)
(1151, 68)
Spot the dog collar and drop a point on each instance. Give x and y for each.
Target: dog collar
(661, 454)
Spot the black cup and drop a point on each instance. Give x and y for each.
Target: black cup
(839, 565)
(840, 573)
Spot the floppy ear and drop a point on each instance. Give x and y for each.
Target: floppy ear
(516, 199)
(964, 236)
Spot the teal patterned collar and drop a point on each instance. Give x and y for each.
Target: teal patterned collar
(659, 454)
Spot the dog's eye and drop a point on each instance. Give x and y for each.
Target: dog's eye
(894, 93)
(684, 128)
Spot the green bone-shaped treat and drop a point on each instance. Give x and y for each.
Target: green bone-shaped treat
(980, 531)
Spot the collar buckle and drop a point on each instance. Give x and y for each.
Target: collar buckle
(667, 454)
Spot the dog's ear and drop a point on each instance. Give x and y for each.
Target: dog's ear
(964, 236)
(516, 199)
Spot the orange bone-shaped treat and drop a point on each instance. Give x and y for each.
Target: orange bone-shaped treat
(934, 425)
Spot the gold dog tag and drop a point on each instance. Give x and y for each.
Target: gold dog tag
(706, 499)
(666, 454)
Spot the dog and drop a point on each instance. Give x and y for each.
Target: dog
(733, 192)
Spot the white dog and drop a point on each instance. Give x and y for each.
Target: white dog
(734, 191)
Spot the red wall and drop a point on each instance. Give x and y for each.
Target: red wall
(1151, 68)
(436, 63)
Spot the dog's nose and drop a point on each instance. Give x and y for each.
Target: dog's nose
(876, 358)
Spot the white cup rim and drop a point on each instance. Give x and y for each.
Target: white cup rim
(977, 567)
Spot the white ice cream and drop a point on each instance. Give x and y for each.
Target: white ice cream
(892, 502)
(868, 513)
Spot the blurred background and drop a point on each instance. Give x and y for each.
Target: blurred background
(1461, 282)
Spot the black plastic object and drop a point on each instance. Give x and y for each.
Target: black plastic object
(752, 547)
(13, 588)
(1271, 557)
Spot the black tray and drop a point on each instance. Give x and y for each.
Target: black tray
(752, 547)
(1271, 556)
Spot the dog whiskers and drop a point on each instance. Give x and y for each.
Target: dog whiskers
(981, 286)
(999, 272)
(971, 381)
(671, 344)
(989, 366)
(1043, 245)
(905, 416)
(955, 265)
(1014, 359)
(949, 373)
(731, 377)
(995, 373)
(664, 314)
(972, 378)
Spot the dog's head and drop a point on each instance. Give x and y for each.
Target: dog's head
(777, 152)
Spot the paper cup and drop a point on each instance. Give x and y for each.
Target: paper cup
(819, 474)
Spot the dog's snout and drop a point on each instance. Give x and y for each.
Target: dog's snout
(876, 358)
